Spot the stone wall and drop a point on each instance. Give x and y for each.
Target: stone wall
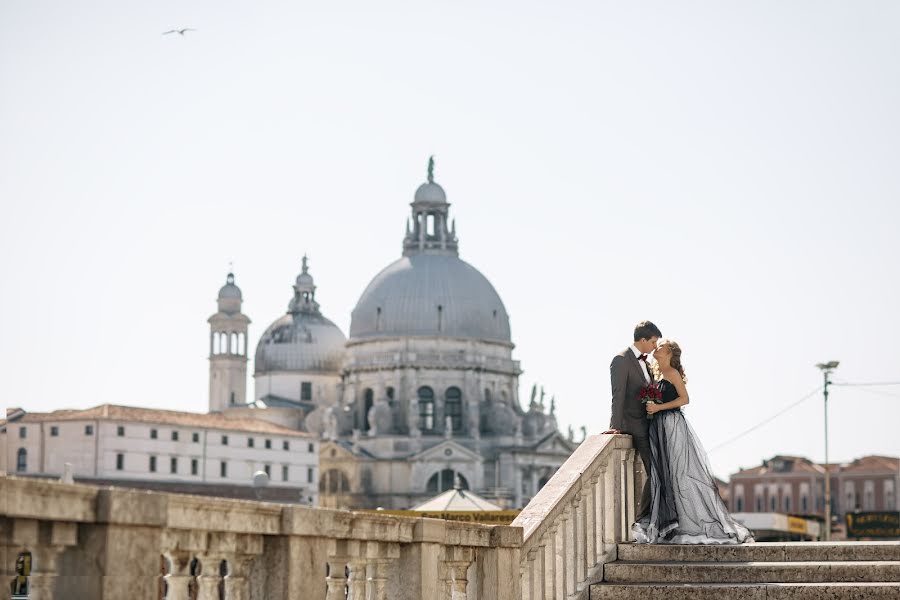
(110, 543)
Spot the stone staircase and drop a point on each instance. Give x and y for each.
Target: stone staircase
(775, 570)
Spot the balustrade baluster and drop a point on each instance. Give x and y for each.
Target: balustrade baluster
(535, 574)
(336, 581)
(602, 521)
(356, 583)
(630, 497)
(209, 578)
(590, 519)
(549, 549)
(571, 525)
(580, 541)
(179, 576)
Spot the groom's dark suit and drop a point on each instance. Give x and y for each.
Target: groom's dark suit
(629, 415)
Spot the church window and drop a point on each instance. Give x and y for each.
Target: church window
(174, 436)
(120, 462)
(312, 448)
(154, 434)
(740, 505)
(268, 444)
(54, 431)
(173, 465)
(22, 460)
(153, 464)
(120, 431)
(426, 408)
(368, 401)
(804, 502)
(232, 398)
(444, 480)
(223, 469)
(268, 470)
(250, 442)
(787, 504)
(772, 503)
(453, 407)
(224, 440)
(195, 437)
(334, 481)
(284, 472)
(88, 430)
(306, 390)
(23, 432)
(195, 466)
(310, 475)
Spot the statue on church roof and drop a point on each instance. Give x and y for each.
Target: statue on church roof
(431, 169)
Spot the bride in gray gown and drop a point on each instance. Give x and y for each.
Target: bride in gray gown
(685, 506)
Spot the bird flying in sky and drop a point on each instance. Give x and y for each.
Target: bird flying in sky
(178, 31)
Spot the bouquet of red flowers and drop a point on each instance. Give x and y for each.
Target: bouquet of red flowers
(650, 393)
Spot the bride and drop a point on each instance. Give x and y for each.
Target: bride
(685, 506)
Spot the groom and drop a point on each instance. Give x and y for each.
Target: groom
(629, 372)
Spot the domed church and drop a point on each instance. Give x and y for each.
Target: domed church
(421, 397)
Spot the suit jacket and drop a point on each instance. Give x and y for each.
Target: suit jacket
(628, 413)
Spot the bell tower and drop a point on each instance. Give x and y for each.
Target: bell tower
(430, 231)
(228, 350)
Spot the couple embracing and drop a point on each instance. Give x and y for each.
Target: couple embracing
(680, 503)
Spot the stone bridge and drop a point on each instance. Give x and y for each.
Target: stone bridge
(85, 542)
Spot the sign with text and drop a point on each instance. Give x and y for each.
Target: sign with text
(873, 524)
(488, 517)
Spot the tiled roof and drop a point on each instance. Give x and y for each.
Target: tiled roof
(801, 465)
(873, 463)
(114, 412)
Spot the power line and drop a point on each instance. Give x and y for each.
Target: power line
(843, 383)
(878, 393)
(761, 423)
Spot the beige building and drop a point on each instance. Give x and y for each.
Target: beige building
(795, 485)
(159, 449)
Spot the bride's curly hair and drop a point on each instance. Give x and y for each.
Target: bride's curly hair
(675, 360)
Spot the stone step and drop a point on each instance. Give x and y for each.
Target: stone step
(751, 572)
(758, 591)
(762, 551)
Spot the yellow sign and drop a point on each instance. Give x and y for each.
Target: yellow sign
(488, 517)
(797, 525)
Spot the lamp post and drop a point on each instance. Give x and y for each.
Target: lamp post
(826, 369)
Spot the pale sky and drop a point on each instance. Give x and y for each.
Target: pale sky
(725, 169)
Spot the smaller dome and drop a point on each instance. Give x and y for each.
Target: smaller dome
(304, 279)
(230, 291)
(432, 193)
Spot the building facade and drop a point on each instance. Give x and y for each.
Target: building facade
(424, 392)
(796, 485)
(158, 449)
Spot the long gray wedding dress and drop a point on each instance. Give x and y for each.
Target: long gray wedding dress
(685, 506)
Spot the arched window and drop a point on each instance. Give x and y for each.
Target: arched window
(368, 401)
(240, 343)
(444, 480)
(453, 407)
(215, 343)
(334, 481)
(22, 460)
(233, 346)
(426, 408)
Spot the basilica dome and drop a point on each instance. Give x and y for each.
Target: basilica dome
(302, 340)
(430, 291)
(430, 295)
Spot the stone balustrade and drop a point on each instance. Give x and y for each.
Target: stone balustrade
(437, 360)
(112, 543)
(572, 525)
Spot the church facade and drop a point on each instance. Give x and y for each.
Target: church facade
(421, 397)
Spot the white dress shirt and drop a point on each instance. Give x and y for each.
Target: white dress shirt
(637, 354)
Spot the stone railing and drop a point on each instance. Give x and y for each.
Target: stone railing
(438, 360)
(572, 525)
(79, 541)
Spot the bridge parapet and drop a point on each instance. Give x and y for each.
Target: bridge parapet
(573, 524)
(110, 543)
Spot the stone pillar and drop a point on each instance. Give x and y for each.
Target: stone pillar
(209, 579)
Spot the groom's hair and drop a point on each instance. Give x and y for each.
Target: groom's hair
(646, 330)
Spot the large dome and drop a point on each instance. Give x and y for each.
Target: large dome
(430, 295)
(300, 342)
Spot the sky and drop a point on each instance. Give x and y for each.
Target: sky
(725, 169)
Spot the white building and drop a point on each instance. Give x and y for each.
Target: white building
(159, 449)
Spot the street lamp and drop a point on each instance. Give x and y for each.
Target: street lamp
(826, 369)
